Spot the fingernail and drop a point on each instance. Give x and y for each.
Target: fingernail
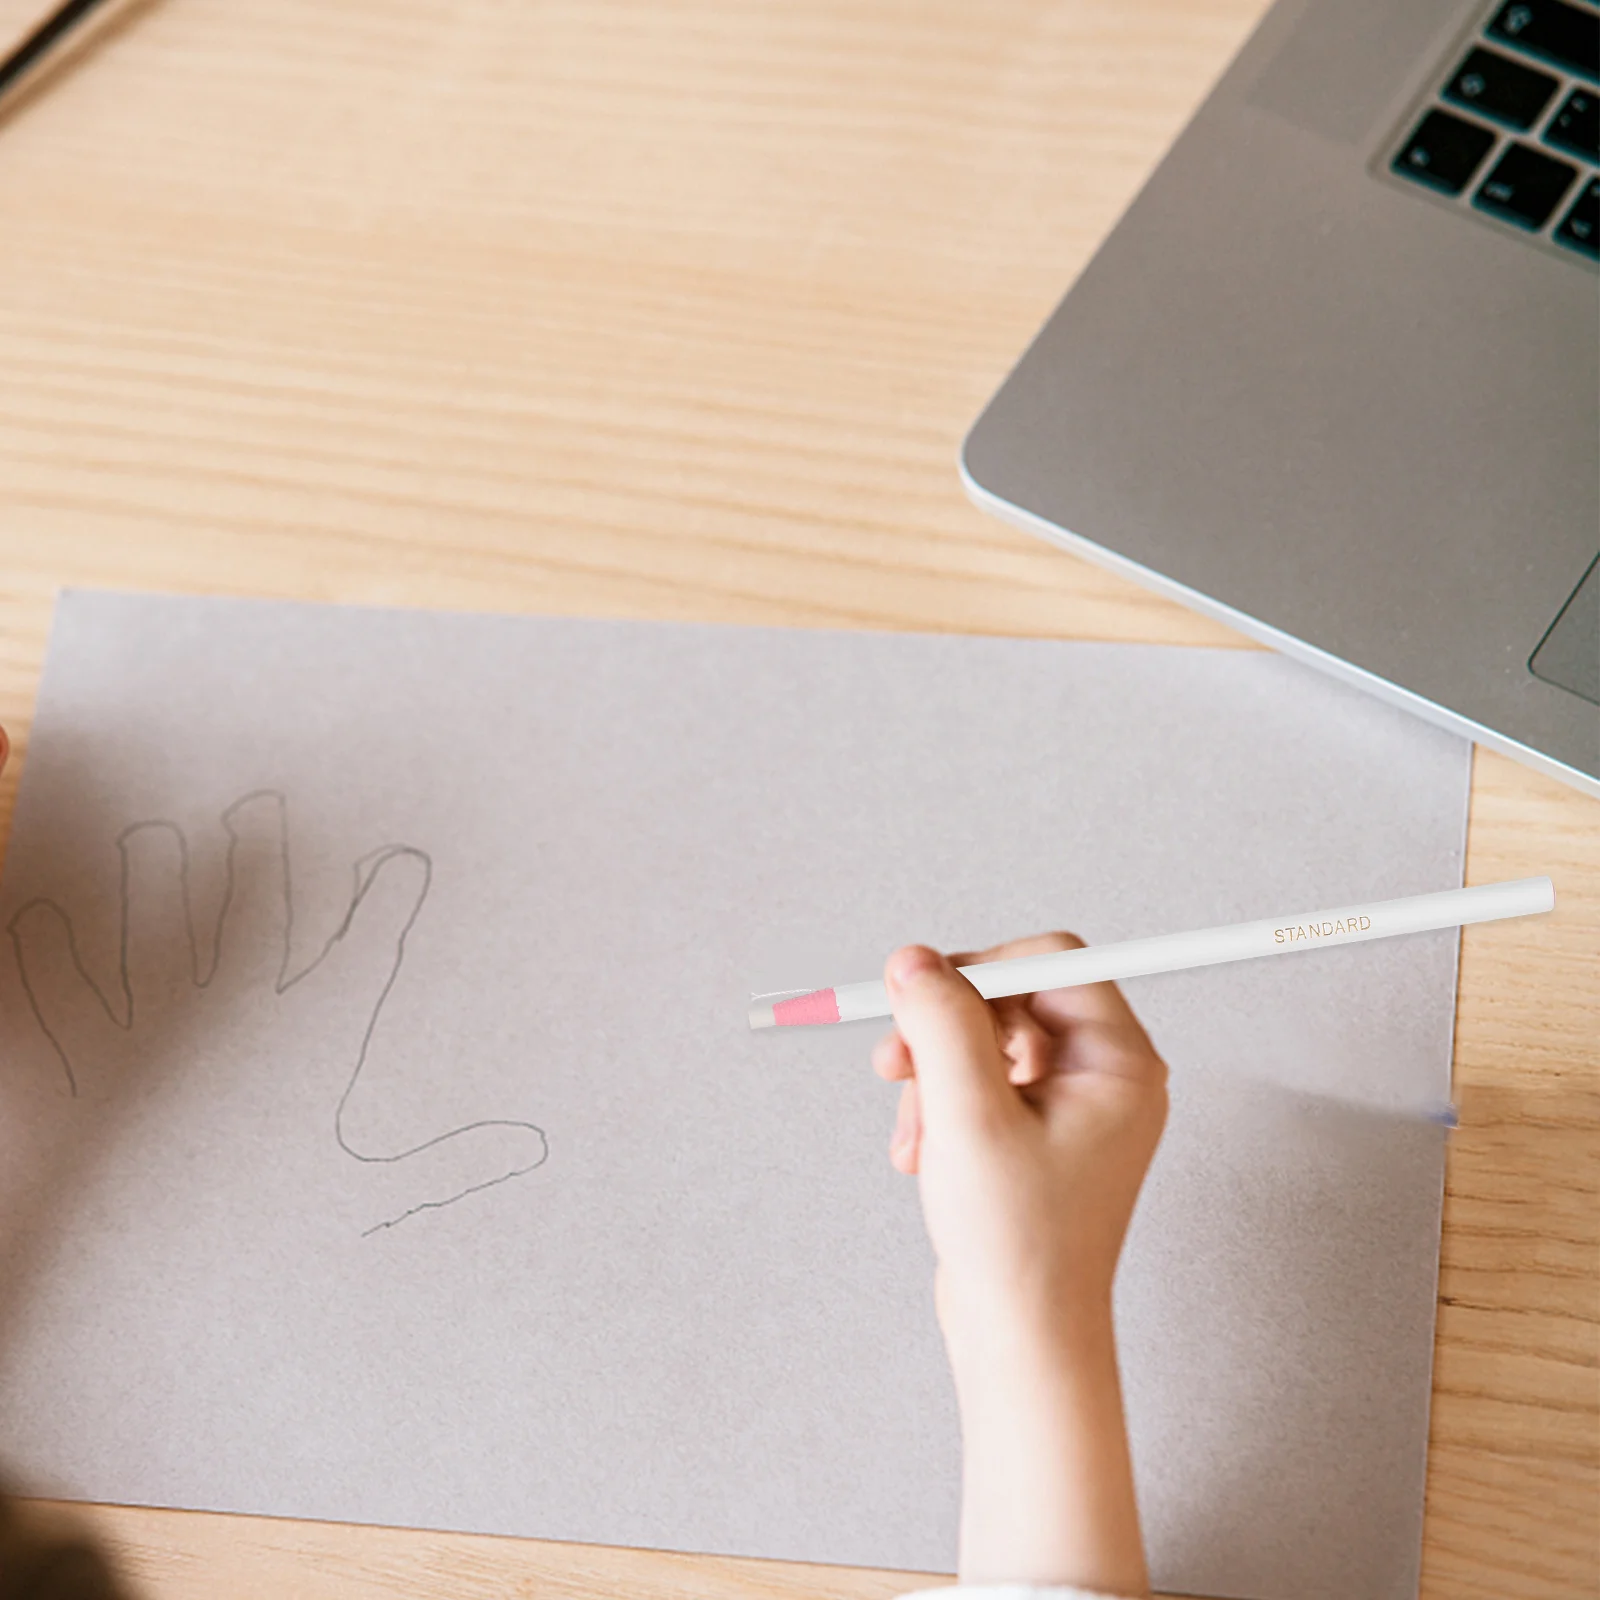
(907, 965)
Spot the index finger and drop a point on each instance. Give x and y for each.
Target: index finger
(1102, 1003)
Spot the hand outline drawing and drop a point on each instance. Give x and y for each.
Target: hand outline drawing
(161, 972)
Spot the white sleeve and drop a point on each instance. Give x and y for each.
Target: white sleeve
(1006, 1591)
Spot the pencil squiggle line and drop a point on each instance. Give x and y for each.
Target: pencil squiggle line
(365, 874)
(473, 1188)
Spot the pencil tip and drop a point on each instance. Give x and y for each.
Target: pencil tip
(762, 1017)
(805, 1010)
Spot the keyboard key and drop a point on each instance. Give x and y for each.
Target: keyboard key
(1565, 34)
(1499, 88)
(1576, 126)
(1525, 186)
(1444, 151)
(1580, 228)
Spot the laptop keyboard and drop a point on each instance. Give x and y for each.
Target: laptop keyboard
(1512, 125)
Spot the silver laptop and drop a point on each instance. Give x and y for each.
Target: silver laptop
(1335, 376)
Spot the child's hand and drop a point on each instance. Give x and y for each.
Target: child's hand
(1030, 1124)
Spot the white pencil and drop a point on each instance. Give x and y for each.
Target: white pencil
(1172, 952)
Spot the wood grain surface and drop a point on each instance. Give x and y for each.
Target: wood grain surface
(680, 310)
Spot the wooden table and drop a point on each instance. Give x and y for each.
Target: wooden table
(679, 310)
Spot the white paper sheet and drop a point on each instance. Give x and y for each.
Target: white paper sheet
(664, 1289)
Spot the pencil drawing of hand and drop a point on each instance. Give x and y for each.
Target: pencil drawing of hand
(224, 1020)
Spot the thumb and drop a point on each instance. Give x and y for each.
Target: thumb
(949, 1030)
(363, 957)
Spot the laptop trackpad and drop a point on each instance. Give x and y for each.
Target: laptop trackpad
(1569, 655)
